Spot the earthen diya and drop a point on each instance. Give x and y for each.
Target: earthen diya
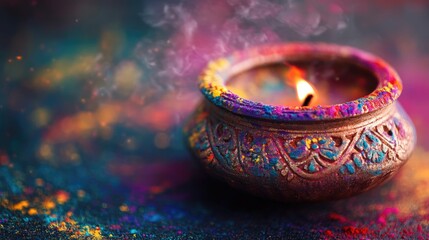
(345, 134)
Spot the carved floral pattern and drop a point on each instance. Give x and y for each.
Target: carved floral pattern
(273, 153)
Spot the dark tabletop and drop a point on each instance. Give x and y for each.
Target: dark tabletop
(93, 95)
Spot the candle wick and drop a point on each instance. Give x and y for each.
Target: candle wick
(307, 100)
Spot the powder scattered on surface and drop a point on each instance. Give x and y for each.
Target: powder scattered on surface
(355, 231)
(382, 218)
(329, 233)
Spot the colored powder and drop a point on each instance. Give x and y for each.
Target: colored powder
(355, 231)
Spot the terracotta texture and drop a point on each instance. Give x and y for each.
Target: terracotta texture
(302, 154)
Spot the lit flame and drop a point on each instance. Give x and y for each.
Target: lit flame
(303, 88)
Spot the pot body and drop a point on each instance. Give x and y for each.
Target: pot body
(301, 161)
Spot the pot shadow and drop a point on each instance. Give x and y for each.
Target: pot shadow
(225, 202)
(187, 186)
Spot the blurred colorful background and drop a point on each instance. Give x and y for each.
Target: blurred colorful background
(93, 95)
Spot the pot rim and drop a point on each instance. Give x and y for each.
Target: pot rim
(212, 82)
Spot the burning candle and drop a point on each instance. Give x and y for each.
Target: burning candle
(298, 83)
(301, 122)
(305, 92)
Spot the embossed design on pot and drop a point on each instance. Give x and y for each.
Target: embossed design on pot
(371, 150)
(297, 158)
